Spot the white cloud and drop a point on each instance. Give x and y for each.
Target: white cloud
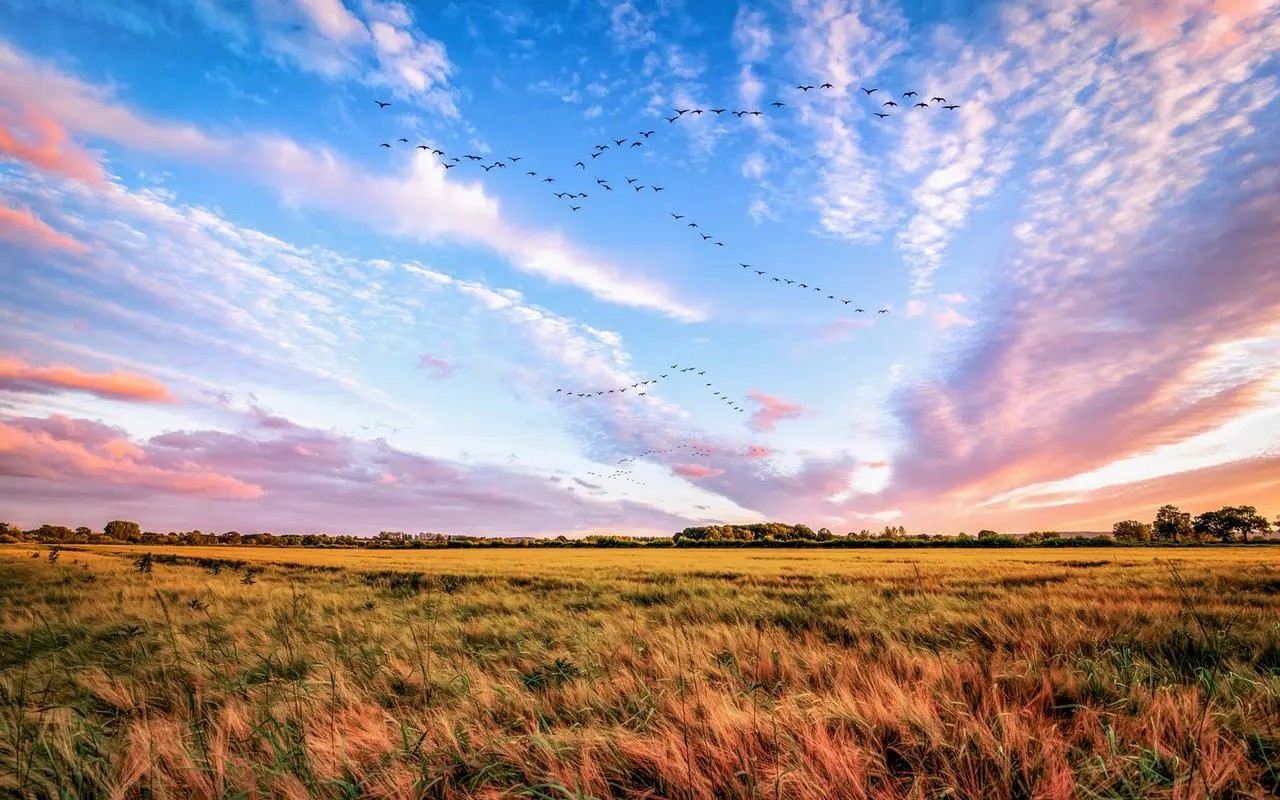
(951, 318)
(751, 35)
(419, 202)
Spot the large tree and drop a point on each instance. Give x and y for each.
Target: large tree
(1172, 525)
(1130, 530)
(1227, 522)
(122, 529)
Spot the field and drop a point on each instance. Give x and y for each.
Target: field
(640, 674)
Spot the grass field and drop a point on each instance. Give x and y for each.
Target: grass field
(641, 674)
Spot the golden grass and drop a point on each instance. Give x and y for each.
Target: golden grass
(642, 673)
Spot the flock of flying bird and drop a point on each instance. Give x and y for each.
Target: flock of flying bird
(640, 140)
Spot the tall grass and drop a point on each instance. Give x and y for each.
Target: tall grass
(731, 674)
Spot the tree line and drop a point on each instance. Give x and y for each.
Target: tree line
(1170, 526)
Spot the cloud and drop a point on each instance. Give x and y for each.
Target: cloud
(442, 368)
(24, 227)
(916, 308)
(39, 141)
(18, 376)
(380, 48)
(65, 451)
(288, 478)
(419, 202)
(842, 329)
(696, 471)
(629, 28)
(751, 35)
(772, 411)
(950, 318)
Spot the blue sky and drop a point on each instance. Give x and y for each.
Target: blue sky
(230, 308)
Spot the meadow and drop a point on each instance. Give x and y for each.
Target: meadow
(226, 672)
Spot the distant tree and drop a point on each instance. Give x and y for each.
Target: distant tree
(83, 531)
(122, 530)
(1130, 530)
(1172, 525)
(1227, 522)
(230, 537)
(825, 534)
(987, 534)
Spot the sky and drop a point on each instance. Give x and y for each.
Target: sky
(227, 306)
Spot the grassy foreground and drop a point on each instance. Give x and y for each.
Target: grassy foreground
(652, 674)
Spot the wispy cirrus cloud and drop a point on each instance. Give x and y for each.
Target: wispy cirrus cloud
(18, 376)
(37, 139)
(440, 368)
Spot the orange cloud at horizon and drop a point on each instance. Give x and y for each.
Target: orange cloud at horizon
(41, 454)
(46, 146)
(17, 375)
(23, 226)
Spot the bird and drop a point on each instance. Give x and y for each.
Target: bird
(677, 216)
(600, 181)
(641, 186)
(717, 111)
(532, 173)
(889, 104)
(719, 244)
(909, 94)
(575, 208)
(637, 144)
(423, 147)
(858, 310)
(846, 302)
(580, 165)
(775, 280)
(384, 144)
(672, 119)
(607, 187)
(921, 105)
(619, 142)
(804, 286)
(826, 86)
(951, 108)
(597, 155)
(787, 281)
(548, 180)
(514, 159)
(704, 236)
(869, 91)
(938, 100)
(381, 104)
(632, 180)
(883, 311)
(450, 166)
(882, 116)
(455, 159)
(474, 158)
(755, 113)
(744, 266)
(560, 195)
(602, 147)
(759, 272)
(806, 88)
(658, 188)
(437, 152)
(739, 114)
(681, 112)
(777, 104)
(692, 225)
(697, 111)
(647, 134)
(487, 167)
(402, 141)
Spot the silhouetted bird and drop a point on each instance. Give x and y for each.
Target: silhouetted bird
(869, 91)
(531, 172)
(921, 105)
(647, 134)
(908, 94)
(637, 144)
(632, 180)
(384, 144)
(381, 104)
(938, 100)
(658, 188)
(704, 236)
(717, 111)
(641, 186)
(806, 88)
(883, 311)
(474, 158)
(548, 180)
(672, 119)
(580, 165)
(882, 116)
(677, 216)
(777, 104)
(619, 141)
(889, 104)
(402, 141)
(574, 208)
(423, 147)
(951, 108)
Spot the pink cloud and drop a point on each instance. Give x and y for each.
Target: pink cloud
(842, 329)
(65, 450)
(443, 369)
(16, 375)
(696, 471)
(951, 318)
(759, 451)
(38, 140)
(24, 227)
(916, 308)
(772, 411)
